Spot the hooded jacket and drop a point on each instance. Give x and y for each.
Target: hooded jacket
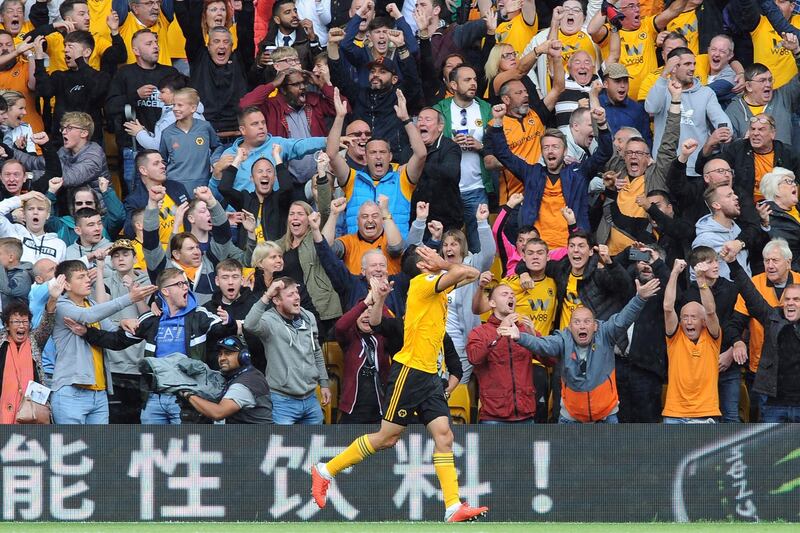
(75, 361)
(295, 365)
(505, 373)
(192, 326)
(588, 394)
(290, 149)
(125, 361)
(351, 339)
(82, 168)
(711, 233)
(34, 247)
(699, 107)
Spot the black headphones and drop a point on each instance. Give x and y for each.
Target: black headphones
(235, 343)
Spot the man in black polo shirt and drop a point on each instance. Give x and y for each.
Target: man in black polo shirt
(245, 398)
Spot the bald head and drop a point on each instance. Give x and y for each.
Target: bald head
(693, 320)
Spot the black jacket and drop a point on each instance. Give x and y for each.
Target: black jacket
(648, 348)
(603, 290)
(220, 86)
(784, 226)
(766, 381)
(237, 310)
(725, 294)
(275, 210)
(376, 107)
(201, 328)
(256, 383)
(438, 184)
(675, 234)
(139, 197)
(124, 91)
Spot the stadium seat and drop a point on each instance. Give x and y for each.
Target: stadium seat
(334, 359)
(329, 411)
(460, 405)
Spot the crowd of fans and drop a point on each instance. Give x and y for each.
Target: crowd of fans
(246, 182)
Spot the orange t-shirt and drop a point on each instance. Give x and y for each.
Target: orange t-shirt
(551, 225)
(524, 140)
(756, 329)
(626, 202)
(693, 374)
(764, 163)
(355, 246)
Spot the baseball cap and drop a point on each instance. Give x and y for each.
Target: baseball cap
(232, 344)
(616, 71)
(121, 244)
(383, 62)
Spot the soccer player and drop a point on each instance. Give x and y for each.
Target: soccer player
(414, 383)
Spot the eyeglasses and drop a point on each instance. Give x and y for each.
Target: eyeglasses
(787, 181)
(289, 60)
(19, 322)
(81, 203)
(768, 79)
(509, 55)
(571, 10)
(463, 117)
(182, 284)
(360, 133)
(762, 120)
(69, 127)
(637, 153)
(629, 6)
(721, 171)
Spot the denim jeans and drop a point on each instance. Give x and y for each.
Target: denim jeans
(471, 200)
(610, 419)
(76, 405)
(161, 409)
(685, 420)
(728, 386)
(639, 393)
(287, 410)
(780, 413)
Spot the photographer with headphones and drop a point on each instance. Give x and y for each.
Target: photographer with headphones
(245, 398)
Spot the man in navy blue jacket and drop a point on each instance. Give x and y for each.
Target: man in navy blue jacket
(554, 185)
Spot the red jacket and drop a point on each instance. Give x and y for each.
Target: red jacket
(504, 371)
(318, 108)
(349, 338)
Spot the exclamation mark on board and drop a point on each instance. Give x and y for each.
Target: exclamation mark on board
(542, 503)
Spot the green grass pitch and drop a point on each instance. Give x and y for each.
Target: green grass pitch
(389, 527)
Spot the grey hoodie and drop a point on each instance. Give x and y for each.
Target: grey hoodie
(295, 365)
(711, 233)
(125, 361)
(699, 107)
(75, 362)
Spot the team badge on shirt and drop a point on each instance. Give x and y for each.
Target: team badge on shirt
(479, 122)
(199, 141)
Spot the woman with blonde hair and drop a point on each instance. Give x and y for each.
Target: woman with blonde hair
(17, 133)
(300, 256)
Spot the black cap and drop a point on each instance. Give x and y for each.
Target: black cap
(232, 344)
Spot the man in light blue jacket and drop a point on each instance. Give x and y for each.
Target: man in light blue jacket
(81, 377)
(257, 144)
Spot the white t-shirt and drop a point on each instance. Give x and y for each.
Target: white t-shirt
(468, 121)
